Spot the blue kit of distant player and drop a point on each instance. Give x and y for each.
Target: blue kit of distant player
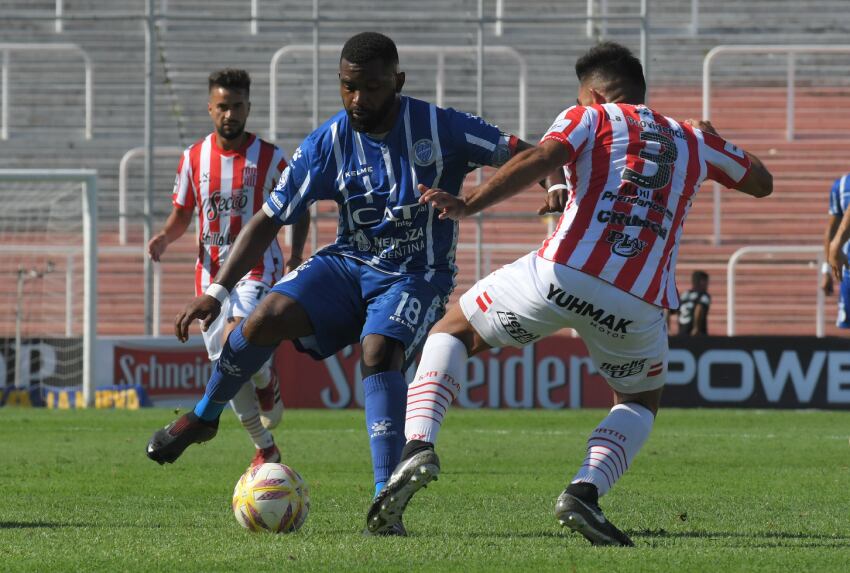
(839, 201)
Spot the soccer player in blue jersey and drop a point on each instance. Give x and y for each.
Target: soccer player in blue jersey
(839, 205)
(386, 278)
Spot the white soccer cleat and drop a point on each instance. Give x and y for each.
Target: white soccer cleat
(409, 476)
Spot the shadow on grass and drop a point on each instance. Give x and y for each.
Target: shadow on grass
(34, 525)
(662, 533)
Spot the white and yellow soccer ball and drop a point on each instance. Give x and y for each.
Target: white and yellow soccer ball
(271, 497)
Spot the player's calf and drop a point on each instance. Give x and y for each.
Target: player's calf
(268, 397)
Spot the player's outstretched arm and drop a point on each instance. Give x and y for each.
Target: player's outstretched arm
(249, 246)
(176, 224)
(523, 169)
(758, 182)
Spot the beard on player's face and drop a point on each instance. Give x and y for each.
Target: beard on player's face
(230, 130)
(367, 120)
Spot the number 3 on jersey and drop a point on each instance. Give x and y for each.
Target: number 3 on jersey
(414, 307)
(662, 158)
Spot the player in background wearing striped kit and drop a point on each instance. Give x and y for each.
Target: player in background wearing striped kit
(839, 202)
(223, 180)
(607, 271)
(385, 279)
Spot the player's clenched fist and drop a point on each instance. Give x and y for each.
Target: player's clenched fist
(449, 206)
(205, 308)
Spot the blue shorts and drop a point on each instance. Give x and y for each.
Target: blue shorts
(347, 300)
(843, 321)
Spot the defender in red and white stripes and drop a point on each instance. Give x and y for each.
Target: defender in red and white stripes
(607, 271)
(223, 180)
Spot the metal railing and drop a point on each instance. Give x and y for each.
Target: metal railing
(602, 30)
(163, 13)
(123, 168)
(791, 51)
(772, 250)
(8, 48)
(439, 51)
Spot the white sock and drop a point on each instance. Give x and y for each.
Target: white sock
(262, 378)
(614, 444)
(247, 410)
(435, 386)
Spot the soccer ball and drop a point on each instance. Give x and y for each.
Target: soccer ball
(271, 497)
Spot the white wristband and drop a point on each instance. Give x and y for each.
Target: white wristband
(218, 292)
(825, 269)
(558, 186)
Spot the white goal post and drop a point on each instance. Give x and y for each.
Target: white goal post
(88, 180)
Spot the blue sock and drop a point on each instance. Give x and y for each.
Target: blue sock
(386, 404)
(239, 361)
(378, 487)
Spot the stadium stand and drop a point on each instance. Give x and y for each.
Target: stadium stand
(46, 99)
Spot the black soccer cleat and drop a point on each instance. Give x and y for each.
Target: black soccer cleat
(166, 445)
(396, 530)
(409, 476)
(578, 509)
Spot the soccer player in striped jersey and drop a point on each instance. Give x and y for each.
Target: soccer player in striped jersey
(386, 278)
(839, 202)
(607, 271)
(222, 181)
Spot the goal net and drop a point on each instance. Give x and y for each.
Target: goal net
(48, 265)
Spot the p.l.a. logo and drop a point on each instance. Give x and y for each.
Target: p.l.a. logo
(625, 245)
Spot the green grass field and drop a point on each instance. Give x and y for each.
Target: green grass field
(721, 490)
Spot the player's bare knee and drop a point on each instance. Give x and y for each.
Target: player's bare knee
(380, 354)
(651, 399)
(456, 324)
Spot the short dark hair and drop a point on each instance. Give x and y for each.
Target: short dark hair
(699, 276)
(368, 46)
(230, 79)
(614, 64)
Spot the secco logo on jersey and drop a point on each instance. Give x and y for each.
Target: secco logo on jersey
(512, 326)
(625, 245)
(623, 370)
(606, 322)
(216, 204)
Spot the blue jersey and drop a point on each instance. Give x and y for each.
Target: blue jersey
(839, 201)
(374, 181)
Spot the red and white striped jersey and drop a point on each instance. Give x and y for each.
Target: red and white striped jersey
(632, 176)
(228, 187)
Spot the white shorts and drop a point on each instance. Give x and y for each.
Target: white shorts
(244, 298)
(532, 298)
